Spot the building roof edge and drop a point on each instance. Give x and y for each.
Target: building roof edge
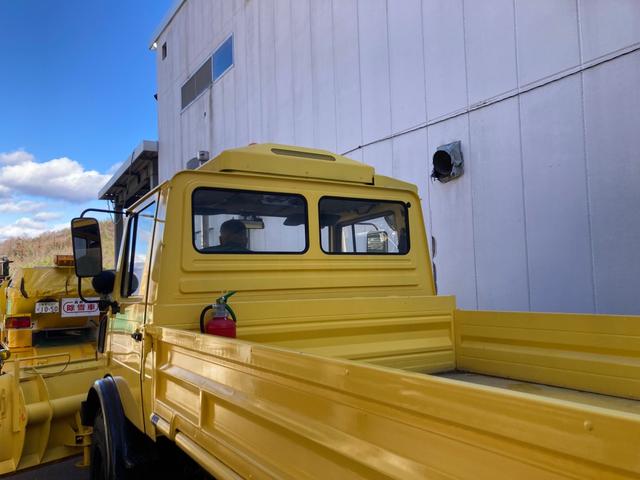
(173, 11)
(142, 147)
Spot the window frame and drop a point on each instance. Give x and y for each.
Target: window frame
(192, 77)
(128, 260)
(258, 192)
(215, 79)
(405, 206)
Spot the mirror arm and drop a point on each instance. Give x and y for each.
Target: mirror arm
(80, 292)
(112, 303)
(102, 210)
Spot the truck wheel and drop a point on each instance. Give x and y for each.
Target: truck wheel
(99, 464)
(104, 464)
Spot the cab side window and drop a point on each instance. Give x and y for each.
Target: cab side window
(138, 244)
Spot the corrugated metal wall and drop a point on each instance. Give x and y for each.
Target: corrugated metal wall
(543, 95)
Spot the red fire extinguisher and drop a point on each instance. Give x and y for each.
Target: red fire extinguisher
(220, 324)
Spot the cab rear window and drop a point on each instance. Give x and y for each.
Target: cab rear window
(244, 222)
(358, 226)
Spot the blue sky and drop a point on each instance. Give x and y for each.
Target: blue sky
(76, 96)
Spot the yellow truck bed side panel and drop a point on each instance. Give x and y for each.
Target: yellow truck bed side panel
(275, 413)
(596, 353)
(409, 333)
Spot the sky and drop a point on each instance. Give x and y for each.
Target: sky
(77, 81)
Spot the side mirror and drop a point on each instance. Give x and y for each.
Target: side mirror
(377, 241)
(4, 267)
(87, 249)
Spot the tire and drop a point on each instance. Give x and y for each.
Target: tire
(99, 468)
(105, 465)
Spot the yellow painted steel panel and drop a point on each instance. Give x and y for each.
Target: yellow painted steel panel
(3, 297)
(295, 415)
(44, 395)
(13, 419)
(18, 337)
(196, 279)
(596, 353)
(30, 285)
(291, 161)
(401, 332)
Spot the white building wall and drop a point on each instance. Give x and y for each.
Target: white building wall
(542, 93)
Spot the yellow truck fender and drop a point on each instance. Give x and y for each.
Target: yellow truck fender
(95, 397)
(129, 404)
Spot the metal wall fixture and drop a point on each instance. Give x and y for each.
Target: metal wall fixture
(448, 163)
(201, 157)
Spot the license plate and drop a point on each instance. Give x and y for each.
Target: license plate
(47, 307)
(75, 307)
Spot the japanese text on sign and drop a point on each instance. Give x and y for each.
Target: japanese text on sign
(74, 307)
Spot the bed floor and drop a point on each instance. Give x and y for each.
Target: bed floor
(593, 399)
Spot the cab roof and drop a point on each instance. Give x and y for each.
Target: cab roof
(302, 162)
(293, 161)
(290, 161)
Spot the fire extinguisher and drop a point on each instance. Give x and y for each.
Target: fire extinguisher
(220, 324)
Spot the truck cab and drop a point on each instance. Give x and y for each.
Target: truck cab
(315, 228)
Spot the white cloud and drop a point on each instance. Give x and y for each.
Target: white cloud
(30, 223)
(16, 157)
(10, 206)
(46, 216)
(61, 178)
(30, 227)
(5, 192)
(23, 227)
(59, 226)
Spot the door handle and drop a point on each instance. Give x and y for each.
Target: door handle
(137, 335)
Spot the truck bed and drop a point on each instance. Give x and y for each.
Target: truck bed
(246, 410)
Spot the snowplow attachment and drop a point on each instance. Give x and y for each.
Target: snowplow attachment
(40, 400)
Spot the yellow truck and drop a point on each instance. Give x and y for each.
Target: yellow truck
(48, 360)
(43, 305)
(345, 363)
